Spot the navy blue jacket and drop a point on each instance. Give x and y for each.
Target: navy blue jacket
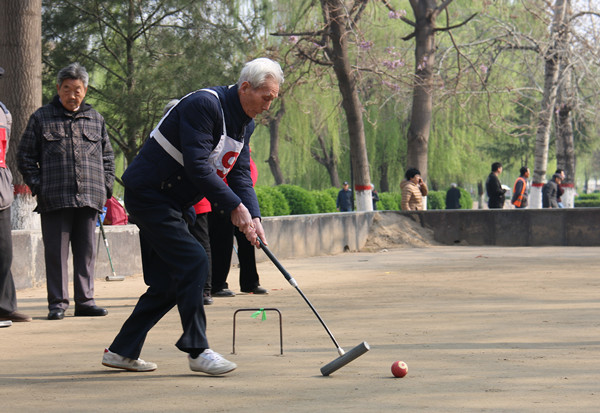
(194, 127)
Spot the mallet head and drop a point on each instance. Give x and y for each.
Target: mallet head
(341, 361)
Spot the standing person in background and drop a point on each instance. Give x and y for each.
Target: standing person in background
(375, 197)
(520, 193)
(494, 188)
(344, 199)
(8, 294)
(413, 190)
(560, 190)
(453, 197)
(550, 192)
(67, 161)
(222, 232)
(200, 230)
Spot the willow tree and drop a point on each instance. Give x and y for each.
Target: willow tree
(329, 45)
(424, 31)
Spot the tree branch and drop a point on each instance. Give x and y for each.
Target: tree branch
(448, 28)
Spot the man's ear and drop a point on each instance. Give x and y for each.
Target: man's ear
(245, 86)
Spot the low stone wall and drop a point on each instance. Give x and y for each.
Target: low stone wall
(289, 236)
(513, 227)
(323, 234)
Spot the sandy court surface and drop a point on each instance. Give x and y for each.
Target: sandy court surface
(482, 329)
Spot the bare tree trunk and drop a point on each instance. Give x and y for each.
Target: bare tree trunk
(337, 19)
(422, 104)
(384, 183)
(21, 89)
(327, 159)
(552, 59)
(273, 160)
(565, 147)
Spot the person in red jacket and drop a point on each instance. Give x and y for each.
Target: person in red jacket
(222, 233)
(199, 229)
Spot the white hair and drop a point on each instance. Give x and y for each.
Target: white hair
(258, 70)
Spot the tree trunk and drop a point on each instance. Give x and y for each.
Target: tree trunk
(273, 160)
(337, 20)
(422, 104)
(565, 147)
(384, 182)
(21, 89)
(327, 159)
(552, 58)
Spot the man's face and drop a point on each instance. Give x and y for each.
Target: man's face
(499, 170)
(71, 93)
(416, 179)
(526, 174)
(256, 101)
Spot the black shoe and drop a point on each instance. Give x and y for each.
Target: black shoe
(225, 292)
(90, 311)
(207, 298)
(257, 290)
(56, 314)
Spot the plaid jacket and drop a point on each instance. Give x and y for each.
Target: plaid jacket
(66, 158)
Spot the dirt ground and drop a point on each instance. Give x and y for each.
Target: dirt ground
(482, 329)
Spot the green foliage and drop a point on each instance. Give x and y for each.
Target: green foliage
(398, 199)
(594, 195)
(333, 192)
(141, 54)
(587, 201)
(325, 202)
(466, 201)
(436, 200)
(265, 201)
(274, 200)
(150, 52)
(388, 202)
(299, 199)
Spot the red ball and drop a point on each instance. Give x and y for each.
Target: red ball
(399, 369)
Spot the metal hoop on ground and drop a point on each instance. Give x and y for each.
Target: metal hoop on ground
(260, 309)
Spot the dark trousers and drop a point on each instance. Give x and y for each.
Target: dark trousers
(8, 296)
(221, 232)
(175, 269)
(200, 231)
(74, 226)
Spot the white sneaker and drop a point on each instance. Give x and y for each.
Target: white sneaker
(5, 323)
(110, 359)
(210, 362)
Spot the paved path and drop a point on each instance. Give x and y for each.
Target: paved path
(482, 329)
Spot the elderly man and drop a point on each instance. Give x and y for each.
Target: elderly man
(67, 161)
(198, 142)
(344, 199)
(550, 192)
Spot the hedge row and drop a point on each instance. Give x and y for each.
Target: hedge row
(294, 200)
(588, 200)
